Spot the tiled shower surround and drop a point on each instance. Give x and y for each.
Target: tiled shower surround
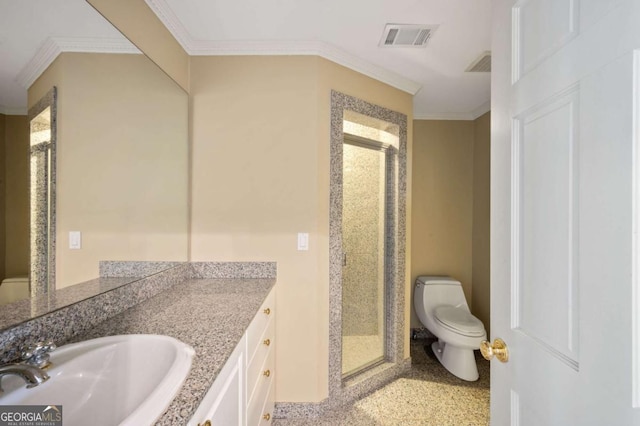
(340, 392)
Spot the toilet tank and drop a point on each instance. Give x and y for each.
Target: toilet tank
(434, 291)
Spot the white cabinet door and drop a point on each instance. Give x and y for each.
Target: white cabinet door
(564, 212)
(224, 403)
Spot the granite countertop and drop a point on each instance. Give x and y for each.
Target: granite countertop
(211, 315)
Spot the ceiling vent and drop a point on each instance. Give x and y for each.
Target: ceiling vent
(481, 64)
(404, 35)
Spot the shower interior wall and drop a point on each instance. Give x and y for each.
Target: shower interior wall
(363, 241)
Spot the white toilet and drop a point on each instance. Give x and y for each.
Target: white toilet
(442, 308)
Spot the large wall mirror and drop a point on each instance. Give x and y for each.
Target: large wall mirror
(121, 150)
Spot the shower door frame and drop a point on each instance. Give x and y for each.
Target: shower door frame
(388, 152)
(397, 360)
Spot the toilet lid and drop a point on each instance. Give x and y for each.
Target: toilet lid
(459, 320)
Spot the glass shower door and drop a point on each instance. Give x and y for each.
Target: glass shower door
(363, 271)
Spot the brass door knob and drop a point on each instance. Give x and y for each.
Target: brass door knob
(498, 349)
(267, 342)
(267, 311)
(267, 373)
(207, 423)
(267, 417)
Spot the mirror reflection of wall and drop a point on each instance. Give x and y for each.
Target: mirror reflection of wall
(14, 207)
(122, 154)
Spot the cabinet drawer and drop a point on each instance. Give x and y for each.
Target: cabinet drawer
(259, 324)
(263, 387)
(258, 378)
(254, 369)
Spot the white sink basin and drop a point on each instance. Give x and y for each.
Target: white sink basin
(116, 380)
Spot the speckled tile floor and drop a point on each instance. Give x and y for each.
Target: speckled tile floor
(426, 395)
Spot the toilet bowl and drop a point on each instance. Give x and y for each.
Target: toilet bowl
(443, 310)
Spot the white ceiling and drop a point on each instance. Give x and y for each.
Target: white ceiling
(36, 29)
(346, 31)
(349, 31)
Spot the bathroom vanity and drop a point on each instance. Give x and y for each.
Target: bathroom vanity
(225, 312)
(242, 393)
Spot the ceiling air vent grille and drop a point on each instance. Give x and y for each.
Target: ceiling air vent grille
(402, 35)
(481, 64)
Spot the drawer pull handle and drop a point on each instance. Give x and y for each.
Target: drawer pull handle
(267, 342)
(267, 373)
(267, 417)
(267, 311)
(207, 423)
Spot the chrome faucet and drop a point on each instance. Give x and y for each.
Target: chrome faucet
(32, 375)
(34, 360)
(38, 354)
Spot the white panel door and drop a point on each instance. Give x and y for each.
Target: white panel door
(564, 212)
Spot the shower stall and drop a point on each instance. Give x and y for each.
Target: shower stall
(367, 247)
(364, 241)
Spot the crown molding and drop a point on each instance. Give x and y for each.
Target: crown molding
(376, 72)
(171, 22)
(465, 116)
(47, 53)
(316, 48)
(5, 110)
(302, 48)
(481, 110)
(96, 45)
(54, 46)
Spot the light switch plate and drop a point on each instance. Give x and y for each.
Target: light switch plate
(75, 240)
(303, 241)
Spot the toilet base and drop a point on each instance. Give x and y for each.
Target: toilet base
(458, 361)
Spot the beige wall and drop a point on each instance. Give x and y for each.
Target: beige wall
(260, 175)
(17, 195)
(481, 220)
(122, 161)
(139, 24)
(451, 207)
(442, 201)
